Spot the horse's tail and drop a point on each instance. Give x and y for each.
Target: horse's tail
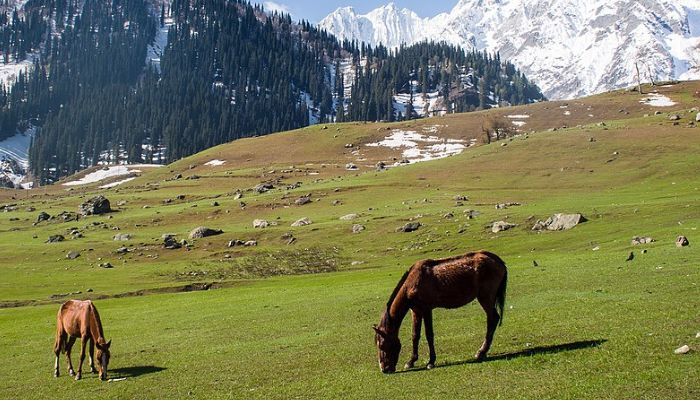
(501, 294)
(59, 343)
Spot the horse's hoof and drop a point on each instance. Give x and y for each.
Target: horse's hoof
(93, 370)
(56, 374)
(479, 356)
(77, 377)
(408, 365)
(71, 372)
(430, 366)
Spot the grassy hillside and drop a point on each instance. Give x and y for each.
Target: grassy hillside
(293, 320)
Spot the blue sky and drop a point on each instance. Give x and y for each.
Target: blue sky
(315, 10)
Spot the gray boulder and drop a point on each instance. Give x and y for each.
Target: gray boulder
(302, 222)
(122, 237)
(348, 217)
(261, 223)
(42, 217)
(72, 255)
(559, 222)
(263, 187)
(682, 241)
(637, 240)
(500, 226)
(409, 227)
(55, 239)
(170, 243)
(202, 232)
(302, 200)
(357, 228)
(95, 206)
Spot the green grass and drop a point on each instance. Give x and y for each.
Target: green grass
(583, 324)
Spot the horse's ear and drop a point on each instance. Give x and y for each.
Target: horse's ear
(108, 344)
(379, 331)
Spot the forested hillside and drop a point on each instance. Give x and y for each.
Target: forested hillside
(228, 71)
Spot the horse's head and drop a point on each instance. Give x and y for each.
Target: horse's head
(388, 349)
(103, 358)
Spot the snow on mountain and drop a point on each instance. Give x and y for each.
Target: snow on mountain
(569, 48)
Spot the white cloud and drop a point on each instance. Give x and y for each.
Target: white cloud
(271, 6)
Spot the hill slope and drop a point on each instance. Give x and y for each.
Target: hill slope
(583, 323)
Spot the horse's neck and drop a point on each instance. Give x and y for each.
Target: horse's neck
(96, 326)
(398, 310)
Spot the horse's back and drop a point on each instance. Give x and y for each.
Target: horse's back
(455, 281)
(73, 316)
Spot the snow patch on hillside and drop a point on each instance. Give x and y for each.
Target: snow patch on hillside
(110, 172)
(657, 100)
(419, 147)
(155, 50)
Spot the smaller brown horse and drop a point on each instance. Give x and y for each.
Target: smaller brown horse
(80, 319)
(446, 283)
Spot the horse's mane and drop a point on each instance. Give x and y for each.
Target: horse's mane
(396, 289)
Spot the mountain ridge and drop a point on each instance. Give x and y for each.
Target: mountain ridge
(569, 48)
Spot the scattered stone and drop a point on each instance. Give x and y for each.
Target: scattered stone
(42, 217)
(448, 215)
(106, 265)
(55, 239)
(235, 242)
(409, 227)
(350, 167)
(72, 255)
(121, 203)
(657, 112)
(500, 226)
(357, 228)
(380, 166)
(630, 257)
(637, 240)
(177, 176)
(685, 349)
(167, 201)
(202, 232)
(122, 237)
(238, 196)
(348, 145)
(250, 243)
(89, 290)
(460, 198)
(674, 117)
(336, 202)
(471, 214)
(682, 241)
(502, 206)
(95, 206)
(170, 243)
(122, 250)
(697, 117)
(302, 222)
(302, 200)
(263, 187)
(180, 197)
(192, 178)
(215, 204)
(260, 223)
(348, 217)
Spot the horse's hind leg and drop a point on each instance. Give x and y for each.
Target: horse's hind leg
(91, 355)
(430, 337)
(417, 321)
(489, 306)
(69, 347)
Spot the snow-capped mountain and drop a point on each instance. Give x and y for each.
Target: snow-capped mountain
(569, 48)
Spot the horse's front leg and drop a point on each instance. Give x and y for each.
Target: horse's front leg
(69, 348)
(91, 356)
(417, 320)
(83, 342)
(429, 335)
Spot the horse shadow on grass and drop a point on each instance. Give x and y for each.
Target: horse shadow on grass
(133, 372)
(529, 352)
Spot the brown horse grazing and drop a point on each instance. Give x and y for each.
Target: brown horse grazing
(80, 319)
(446, 283)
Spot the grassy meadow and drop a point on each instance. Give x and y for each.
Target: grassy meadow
(294, 320)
